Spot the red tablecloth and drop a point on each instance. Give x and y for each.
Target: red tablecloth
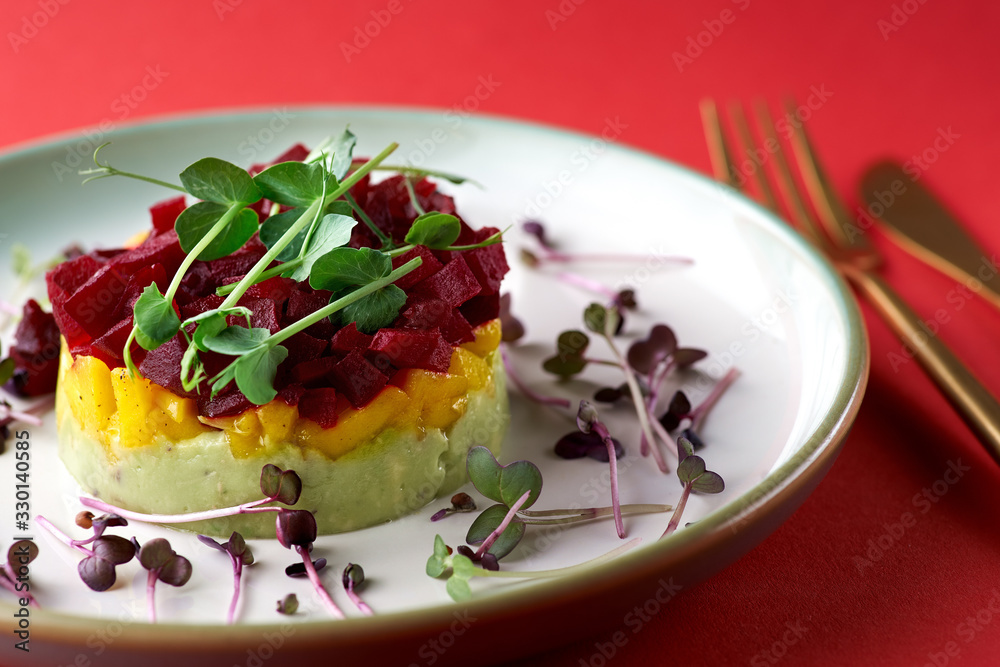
(869, 571)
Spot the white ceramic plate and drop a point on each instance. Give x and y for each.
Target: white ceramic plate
(756, 297)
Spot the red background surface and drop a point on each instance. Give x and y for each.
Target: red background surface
(890, 88)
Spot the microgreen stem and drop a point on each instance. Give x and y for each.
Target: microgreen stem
(343, 302)
(588, 284)
(314, 209)
(133, 370)
(246, 508)
(359, 603)
(675, 520)
(105, 170)
(382, 236)
(539, 574)
(61, 536)
(527, 391)
(190, 258)
(601, 430)
(151, 578)
(417, 171)
(265, 275)
(511, 513)
(237, 579)
(549, 255)
(535, 517)
(638, 401)
(413, 196)
(317, 584)
(699, 414)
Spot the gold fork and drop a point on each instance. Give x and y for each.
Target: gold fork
(831, 229)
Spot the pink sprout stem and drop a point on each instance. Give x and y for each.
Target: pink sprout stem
(62, 537)
(28, 415)
(246, 508)
(492, 537)
(527, 391)
(237, 578)
(317, 584)
(601, 430)
(675, 519)
(7, 579)
(588, 284)
(699, 414)
(556, 256)
(359, 603)
(640, 406)
(151, 578)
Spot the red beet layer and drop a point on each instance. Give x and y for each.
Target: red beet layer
(449, 294)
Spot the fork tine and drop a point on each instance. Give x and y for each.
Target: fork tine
(801, 216)
(831, 212)
(718, 151)
(739, 121)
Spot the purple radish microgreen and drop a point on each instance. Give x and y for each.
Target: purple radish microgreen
(14, 571)
(296, 530)
(460, 569)
(102, 553)
(288, 605)
(277, 485)
(588, 422)
(694, 478)
(460, 502)
(298, 570)
(353, 578)
(162, 564)
(530, 393)
(511, 328)
(240, 555)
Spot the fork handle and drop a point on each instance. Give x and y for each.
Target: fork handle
(977, 407)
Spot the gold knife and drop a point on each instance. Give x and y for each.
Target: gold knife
(918, 222)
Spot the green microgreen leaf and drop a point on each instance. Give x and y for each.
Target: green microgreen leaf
(274, 228)
(215, 180)
(374, 311)
(458, 588)
(333, 231)
(690, 469)
(343, 148)
(7, 368)
(600, 319)
(284, 486)
(484, 471)
(236, 340)
(155, 319)
(568, 360)
(255, 372)
(434, 230)
(439, 561)
(293, 183)
(196, 221)
(488, 521)
(709, 482)
(343, 268)
(463, 566)
(504, 484)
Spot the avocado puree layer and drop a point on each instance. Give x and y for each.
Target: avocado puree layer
(398, 472)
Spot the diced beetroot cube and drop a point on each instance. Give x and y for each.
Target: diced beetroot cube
(422, 312)
(481, 309)
(303, 347)
(457, 330)
(94, 304)
(357, 379)
(348, 338)
(454, 284)
(162, 366)
(408, 348)
(147, 275)
(265, 314)
(276, 289)
(429, 267)
(110, 347)
(291, 394)
(489, 264)
(160, 249)
(236, 264)
(70, 276)
(165, 213)
(202, 305)
(307, 372)
(35, 352)
(319, 405)
(226, 404)
(302, 303)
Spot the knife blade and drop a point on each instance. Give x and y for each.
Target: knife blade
(917, 220)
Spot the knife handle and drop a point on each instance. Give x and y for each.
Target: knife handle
(977, 407)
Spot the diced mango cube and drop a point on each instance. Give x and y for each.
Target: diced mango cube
(355, 425)
(277, 419)
(440, 396)
(487, 338)
(472, 367)
(135, 401)
(93, 395)
(174, 416)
